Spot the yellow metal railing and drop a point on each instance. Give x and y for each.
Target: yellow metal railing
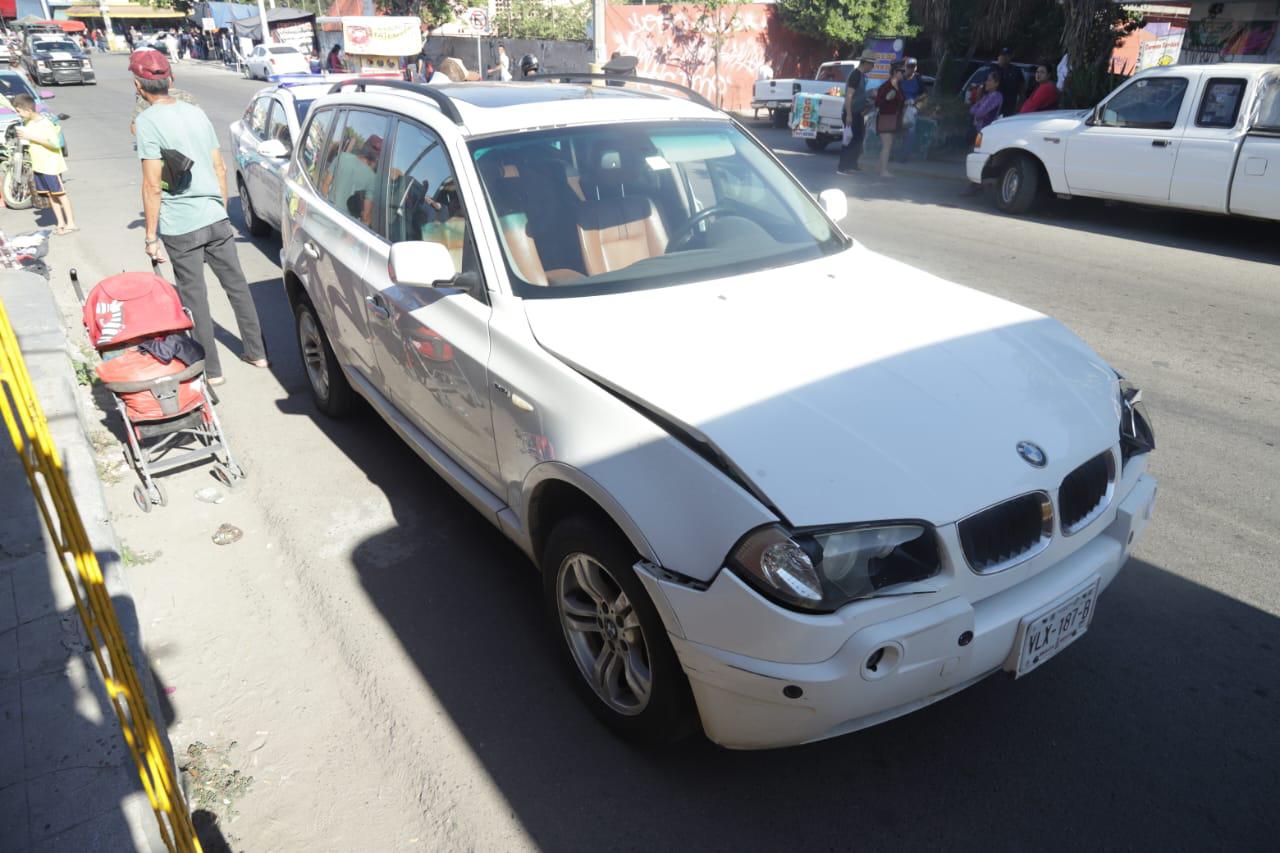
(30, 434)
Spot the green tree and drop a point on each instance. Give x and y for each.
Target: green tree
(432, 12)
(847, 23)
(535, 19)
(1092, 30)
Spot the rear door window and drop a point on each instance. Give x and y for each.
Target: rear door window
(277, 124)
(258, 118)
(353, 160)
(1220, 106)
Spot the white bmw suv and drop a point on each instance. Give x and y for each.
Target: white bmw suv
(776, 484)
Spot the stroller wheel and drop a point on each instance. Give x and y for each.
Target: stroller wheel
(158, 494)
(141, 498)
(227, 475)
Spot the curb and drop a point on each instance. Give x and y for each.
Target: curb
(45, 348)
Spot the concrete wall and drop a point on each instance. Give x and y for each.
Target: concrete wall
(552, 55)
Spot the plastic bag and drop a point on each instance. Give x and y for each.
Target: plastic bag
(909, 116)
(846, 136)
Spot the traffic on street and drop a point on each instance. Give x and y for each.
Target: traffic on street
(752, 504)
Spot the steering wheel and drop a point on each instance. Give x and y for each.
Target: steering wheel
(685, 232)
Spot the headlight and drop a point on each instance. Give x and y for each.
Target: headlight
(1136, 434)
(86, 63)
(40, 63)
(824, 570)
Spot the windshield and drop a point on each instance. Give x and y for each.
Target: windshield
(278, 50)
(603, 209)
(41, 46)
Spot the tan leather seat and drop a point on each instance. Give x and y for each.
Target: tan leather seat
(523, 253)
(617, 232)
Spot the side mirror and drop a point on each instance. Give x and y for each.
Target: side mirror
(273, 148)
(835, 203)
(46, 94)
(63, 116)
(418, 263)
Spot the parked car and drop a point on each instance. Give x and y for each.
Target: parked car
(775, 483)
(1201, 138)
(49, 61)
(263, 138)
(825, 119)
(13, 83)
(268, 60)
(971, 89)
(776, 95)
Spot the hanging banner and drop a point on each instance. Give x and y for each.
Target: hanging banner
(301, 36)
(390, 36)
(1159, 51)
(887, 51)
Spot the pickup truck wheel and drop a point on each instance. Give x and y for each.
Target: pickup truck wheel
(778, 117)
(818, 143)
(329, 387)
(621, 661)
(1017, 182)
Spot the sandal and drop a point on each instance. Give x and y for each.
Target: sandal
(216, 380)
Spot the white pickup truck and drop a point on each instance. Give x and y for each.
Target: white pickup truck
(776, 95)
(1199, 137)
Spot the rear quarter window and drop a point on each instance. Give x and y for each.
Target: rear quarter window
(1220, 105)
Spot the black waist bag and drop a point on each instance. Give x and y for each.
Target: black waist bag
(175, 175)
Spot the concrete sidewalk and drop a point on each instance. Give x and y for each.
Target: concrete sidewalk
(67, 780)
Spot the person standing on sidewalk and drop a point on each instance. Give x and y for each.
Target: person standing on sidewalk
(1012, 81)
(185, 209)
(855, 108)
(890, 105)
(46, 160)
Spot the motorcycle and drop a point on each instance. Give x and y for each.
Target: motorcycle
(15, 170)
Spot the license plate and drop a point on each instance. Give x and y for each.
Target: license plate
(1044, 634)
(805, 132)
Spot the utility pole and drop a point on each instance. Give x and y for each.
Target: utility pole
(262, 19)
(597, 30)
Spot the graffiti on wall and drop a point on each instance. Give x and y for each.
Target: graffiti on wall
(677, 43)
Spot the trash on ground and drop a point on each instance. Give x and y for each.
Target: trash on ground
(210, 495)
(226, 534)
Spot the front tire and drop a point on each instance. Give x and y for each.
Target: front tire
(252, 221)
(329, 387)
(1016, 185)
(16, 188)
(619, 656)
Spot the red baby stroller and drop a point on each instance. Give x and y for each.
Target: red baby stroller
(155, 371)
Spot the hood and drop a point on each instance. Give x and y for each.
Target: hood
(852, 388)
(1055, 120)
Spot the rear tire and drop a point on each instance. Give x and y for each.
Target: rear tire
(778, 117)
(605, 623)
(1016, 185)
(329, 387)
(252, 222)
(818, 143)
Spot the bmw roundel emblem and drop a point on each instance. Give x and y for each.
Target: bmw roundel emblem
(1032, 453)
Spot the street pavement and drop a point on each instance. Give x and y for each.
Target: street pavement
(378, 655)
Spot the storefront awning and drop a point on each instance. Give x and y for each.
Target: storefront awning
(123, 10)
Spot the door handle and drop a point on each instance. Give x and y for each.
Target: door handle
(311, 250)
(375, 303)
(1160, 143)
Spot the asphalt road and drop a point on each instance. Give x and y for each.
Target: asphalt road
(393, 645)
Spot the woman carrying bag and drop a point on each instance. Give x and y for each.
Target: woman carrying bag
(890, 103)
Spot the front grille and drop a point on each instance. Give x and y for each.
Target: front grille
(66, 64)
(1085, 492)
(1007, 533)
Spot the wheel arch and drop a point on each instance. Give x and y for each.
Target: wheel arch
(555, 491)
(294, 289)
(1004, 156)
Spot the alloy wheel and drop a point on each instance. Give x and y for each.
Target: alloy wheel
(604, 634)
(1010, 185)
(313, 358)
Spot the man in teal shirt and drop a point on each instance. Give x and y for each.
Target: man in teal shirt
(186, 213)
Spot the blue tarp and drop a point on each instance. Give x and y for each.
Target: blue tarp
(224, 14)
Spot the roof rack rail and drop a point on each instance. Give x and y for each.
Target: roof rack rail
(446, 104)
(618, 79)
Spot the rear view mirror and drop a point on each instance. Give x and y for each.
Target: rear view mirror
(273, 148)
(421, 264)
(834, 203)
